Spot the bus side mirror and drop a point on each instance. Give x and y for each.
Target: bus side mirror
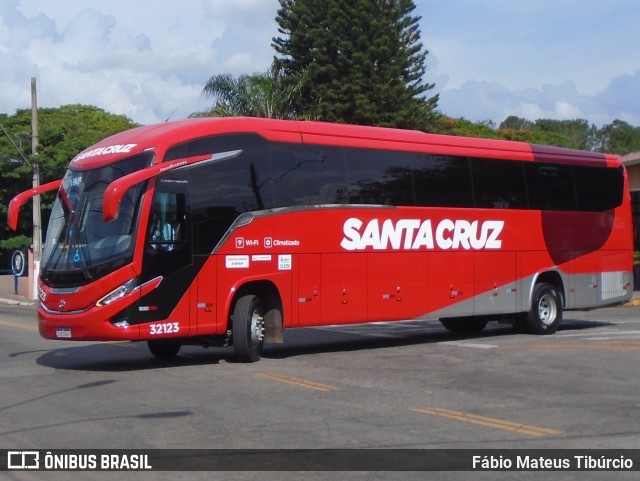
(19, 200)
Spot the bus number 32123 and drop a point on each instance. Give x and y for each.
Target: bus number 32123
(164, 328)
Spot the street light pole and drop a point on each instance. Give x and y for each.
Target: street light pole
(35, 170)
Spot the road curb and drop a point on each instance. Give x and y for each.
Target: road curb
(16, 302)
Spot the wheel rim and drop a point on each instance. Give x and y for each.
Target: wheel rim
(547, 309)
(257, 328)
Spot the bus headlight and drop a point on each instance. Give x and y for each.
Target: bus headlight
(116, 294)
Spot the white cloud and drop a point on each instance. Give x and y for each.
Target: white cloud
(149, 62)
(622, 97)
(488, 59)
(565, 110)
(480, 101)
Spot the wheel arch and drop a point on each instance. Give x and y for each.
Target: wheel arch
(552, 277)
(271, 302)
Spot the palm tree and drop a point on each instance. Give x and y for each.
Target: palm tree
(258, 95)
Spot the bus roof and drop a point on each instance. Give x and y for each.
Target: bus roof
(159, 137)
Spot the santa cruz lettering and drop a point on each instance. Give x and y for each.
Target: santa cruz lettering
(416, 234)
(111, 149)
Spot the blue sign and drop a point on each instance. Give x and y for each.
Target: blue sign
(18, 263)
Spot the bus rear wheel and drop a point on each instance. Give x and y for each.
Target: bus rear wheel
(164, 348)
(546, 310)
(247, 332)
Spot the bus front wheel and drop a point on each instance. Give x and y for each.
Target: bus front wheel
(247, 332)
(164, 348)
(546, 310)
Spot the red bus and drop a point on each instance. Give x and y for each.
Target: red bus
(227, 231)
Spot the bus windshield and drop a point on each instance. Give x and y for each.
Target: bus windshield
(80, 246)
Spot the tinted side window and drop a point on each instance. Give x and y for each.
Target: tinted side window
(213, 144)
(443, 181)
(221, 191)
(307, 175)
(253, 165)
(499, 184)
(381, 177)
(598, 188)
(551, 186)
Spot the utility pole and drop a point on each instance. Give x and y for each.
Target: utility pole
(35, 167)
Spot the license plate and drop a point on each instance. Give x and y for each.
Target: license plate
(63, 332)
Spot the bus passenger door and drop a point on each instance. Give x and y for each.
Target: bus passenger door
(168, 256)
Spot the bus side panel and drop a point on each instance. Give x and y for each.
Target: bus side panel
(343, 291)
(308, 298)
(177, 324)
(397, 285)
(495, 282)
(599, 278)
(205, 301)
(451, 290)
(568, 235)
(582, 291)
(616, 281)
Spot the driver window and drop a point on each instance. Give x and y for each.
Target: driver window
(166, 223)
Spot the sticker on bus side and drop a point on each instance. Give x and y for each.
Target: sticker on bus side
(237, 262)
(284, 262)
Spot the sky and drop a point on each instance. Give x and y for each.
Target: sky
(488, 59)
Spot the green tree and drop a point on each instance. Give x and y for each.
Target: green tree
(358, 61)
(578, 132)
(516, 123)
(535, 137)
(258, 95)
(618, 137)
(575, 134)
(462, 127)
(63, 133)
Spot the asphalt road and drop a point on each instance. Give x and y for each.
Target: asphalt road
(389, 385)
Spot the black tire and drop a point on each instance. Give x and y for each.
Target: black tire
(164, 348)
(545, 315)
(469, 325)
(247, 331)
